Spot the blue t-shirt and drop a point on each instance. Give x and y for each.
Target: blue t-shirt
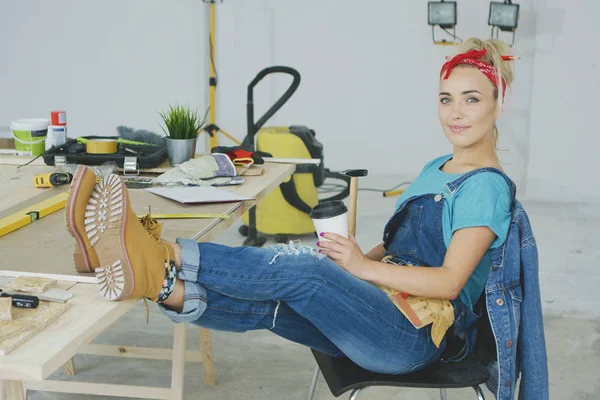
(481, 200)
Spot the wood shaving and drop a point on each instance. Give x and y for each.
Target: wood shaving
(32, 284)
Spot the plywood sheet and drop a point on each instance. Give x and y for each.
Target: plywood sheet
(17, 186)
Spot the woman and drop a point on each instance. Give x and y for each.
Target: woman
(331, 299)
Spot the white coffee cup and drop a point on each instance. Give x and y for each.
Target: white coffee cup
(330, 216)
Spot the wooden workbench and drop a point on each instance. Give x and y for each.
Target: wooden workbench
(45, 246)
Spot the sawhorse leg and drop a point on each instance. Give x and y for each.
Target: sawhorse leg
(208, 365)
(178, 360)
(69, 367)
(178, 368)
(15, 390)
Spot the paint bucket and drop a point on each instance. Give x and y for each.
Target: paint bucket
(30, 135)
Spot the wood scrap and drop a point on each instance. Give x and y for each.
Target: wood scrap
(26, 323)
(32, 284)
(5, 309)
(253, 171)
(240, 169)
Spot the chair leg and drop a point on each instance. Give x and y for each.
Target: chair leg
(480, 395)
(313, 382)
(443, 394)
(354, 394)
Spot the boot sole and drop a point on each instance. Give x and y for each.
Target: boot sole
(80, 255)
(105, 221)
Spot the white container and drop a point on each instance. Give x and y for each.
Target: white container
(57, 136)
(60, 134)
(50, 138)
(30, 135)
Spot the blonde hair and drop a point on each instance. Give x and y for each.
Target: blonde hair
(493, 56)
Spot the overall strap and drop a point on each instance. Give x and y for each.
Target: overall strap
(455, 184)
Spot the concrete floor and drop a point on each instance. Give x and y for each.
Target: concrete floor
(259, 365)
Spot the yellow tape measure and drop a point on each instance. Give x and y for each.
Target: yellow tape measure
(187, 216)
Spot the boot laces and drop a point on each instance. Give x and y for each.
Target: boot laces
(150, 225)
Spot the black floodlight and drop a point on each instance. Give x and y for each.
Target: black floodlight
(504, 16)
(442, 14)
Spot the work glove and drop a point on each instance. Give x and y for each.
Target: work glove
(240, 156)
(422, 311)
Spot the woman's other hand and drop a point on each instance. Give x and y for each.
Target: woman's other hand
(345, 252)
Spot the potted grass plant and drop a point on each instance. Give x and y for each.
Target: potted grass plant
(183, 125)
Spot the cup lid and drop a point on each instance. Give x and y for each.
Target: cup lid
(328, 209)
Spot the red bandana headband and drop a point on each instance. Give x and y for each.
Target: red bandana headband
(471, 58)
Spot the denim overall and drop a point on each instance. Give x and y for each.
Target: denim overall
(303, 296)
(414, 236)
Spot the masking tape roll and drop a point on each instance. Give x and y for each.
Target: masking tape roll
(101, 146)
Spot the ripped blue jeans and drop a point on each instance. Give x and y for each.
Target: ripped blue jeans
(300, 295)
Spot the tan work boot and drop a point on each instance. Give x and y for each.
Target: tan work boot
(132, 261)
(84, 255)
(80, 191)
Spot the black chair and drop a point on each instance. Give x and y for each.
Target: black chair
(343, 375)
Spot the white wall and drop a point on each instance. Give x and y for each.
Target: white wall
(107, 63)
(565, 142)
(369, 76)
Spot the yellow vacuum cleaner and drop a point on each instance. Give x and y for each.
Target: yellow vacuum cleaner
(285, 211)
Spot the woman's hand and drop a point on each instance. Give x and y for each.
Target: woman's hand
(345, 252)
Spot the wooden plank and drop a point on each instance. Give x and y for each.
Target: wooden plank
(145, 353)
(6, 143)
(101, 389)
(81, 278)
(16, 160)
(313, 161)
